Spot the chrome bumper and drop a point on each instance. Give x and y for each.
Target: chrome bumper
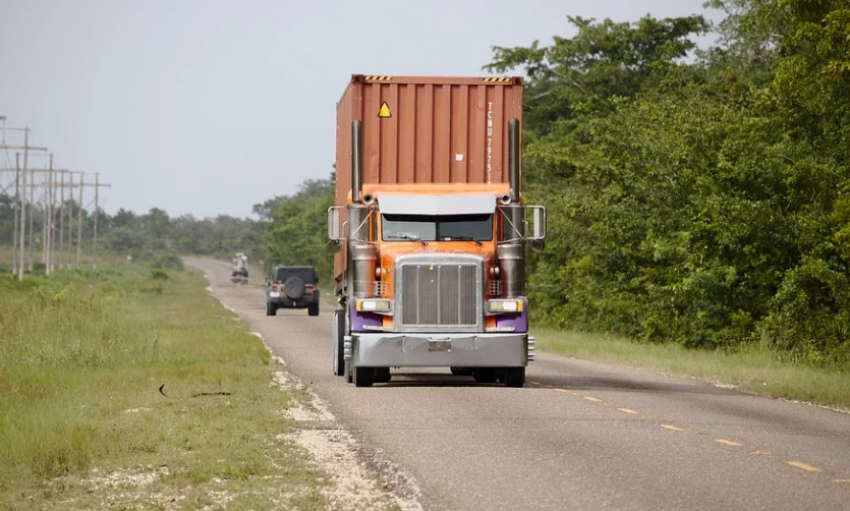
(439, 350)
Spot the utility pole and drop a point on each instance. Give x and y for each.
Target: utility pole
(32, 189)
(62, 222)
(51, 217)
(70, 223)
(96, 207)
(80, 222)
(17, 212)
(45, 225)
(22, 228)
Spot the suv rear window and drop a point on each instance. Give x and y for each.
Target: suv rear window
(308, 275)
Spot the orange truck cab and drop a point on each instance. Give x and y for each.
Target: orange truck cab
(432, 228)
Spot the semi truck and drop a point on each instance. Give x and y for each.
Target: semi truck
(432, 229)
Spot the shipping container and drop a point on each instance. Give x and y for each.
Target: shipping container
(427, 129)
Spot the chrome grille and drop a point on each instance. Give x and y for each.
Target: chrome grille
(444, 294)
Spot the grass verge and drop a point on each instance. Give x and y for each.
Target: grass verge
(83, 424)
(751, 368)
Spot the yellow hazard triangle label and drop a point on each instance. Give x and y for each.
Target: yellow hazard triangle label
(385, 110)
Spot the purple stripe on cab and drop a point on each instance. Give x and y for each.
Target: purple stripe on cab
(360, 320)
(519, 321)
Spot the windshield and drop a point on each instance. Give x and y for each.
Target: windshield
(437, 228)
(307, 275)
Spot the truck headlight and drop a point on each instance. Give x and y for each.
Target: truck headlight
(373, 305)
(504, 306)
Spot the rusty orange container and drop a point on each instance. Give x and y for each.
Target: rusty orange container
(426, 129)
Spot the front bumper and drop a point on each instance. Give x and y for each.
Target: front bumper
(439, 350)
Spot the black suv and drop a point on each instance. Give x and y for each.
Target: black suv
(292, 287)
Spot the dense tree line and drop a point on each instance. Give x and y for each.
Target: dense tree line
(705, 202)
(157, 237)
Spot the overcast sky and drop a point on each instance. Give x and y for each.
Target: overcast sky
(209, 106)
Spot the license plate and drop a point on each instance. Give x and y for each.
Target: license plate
(439, 345)
(274, 294)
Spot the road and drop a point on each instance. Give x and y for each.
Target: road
(580, 435)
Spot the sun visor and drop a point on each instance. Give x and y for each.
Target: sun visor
(451, 204)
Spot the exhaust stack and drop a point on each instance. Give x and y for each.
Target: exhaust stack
(513, 157)
(356, 161)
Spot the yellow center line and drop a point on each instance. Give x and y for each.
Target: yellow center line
(535, 383)
(673, 428)
(592, 399)
(804, 466)
(563, 390)
(762, 451)
(626, 410)
(727, 442)
(841, 480)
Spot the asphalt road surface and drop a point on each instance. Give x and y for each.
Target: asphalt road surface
(579, 435)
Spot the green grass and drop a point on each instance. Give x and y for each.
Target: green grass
(82, 356)
(751, 368)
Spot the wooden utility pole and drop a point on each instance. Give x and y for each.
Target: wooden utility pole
(62, 222)
(22, 228)
(45, 227)
(26, 155)
(17, 212)
(80, 222)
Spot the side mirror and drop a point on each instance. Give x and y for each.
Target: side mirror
(537, 245)
(538, 223)
(334, 227)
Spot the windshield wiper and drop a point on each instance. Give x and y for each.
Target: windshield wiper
(406, 237)
(461, 238)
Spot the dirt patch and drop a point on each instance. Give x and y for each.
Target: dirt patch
(126, 478)
(354, 485)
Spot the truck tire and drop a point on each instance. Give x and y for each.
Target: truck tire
(514, 377)
(271, 309)
(484, 375)
(382, 375)
(339, 342)
(294, 288)
(313, 310)
(364, 376)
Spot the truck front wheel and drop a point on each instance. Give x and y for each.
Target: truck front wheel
(514, 377)
(339, 342)
(364, 376)
(484, 375)
(382, 375)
